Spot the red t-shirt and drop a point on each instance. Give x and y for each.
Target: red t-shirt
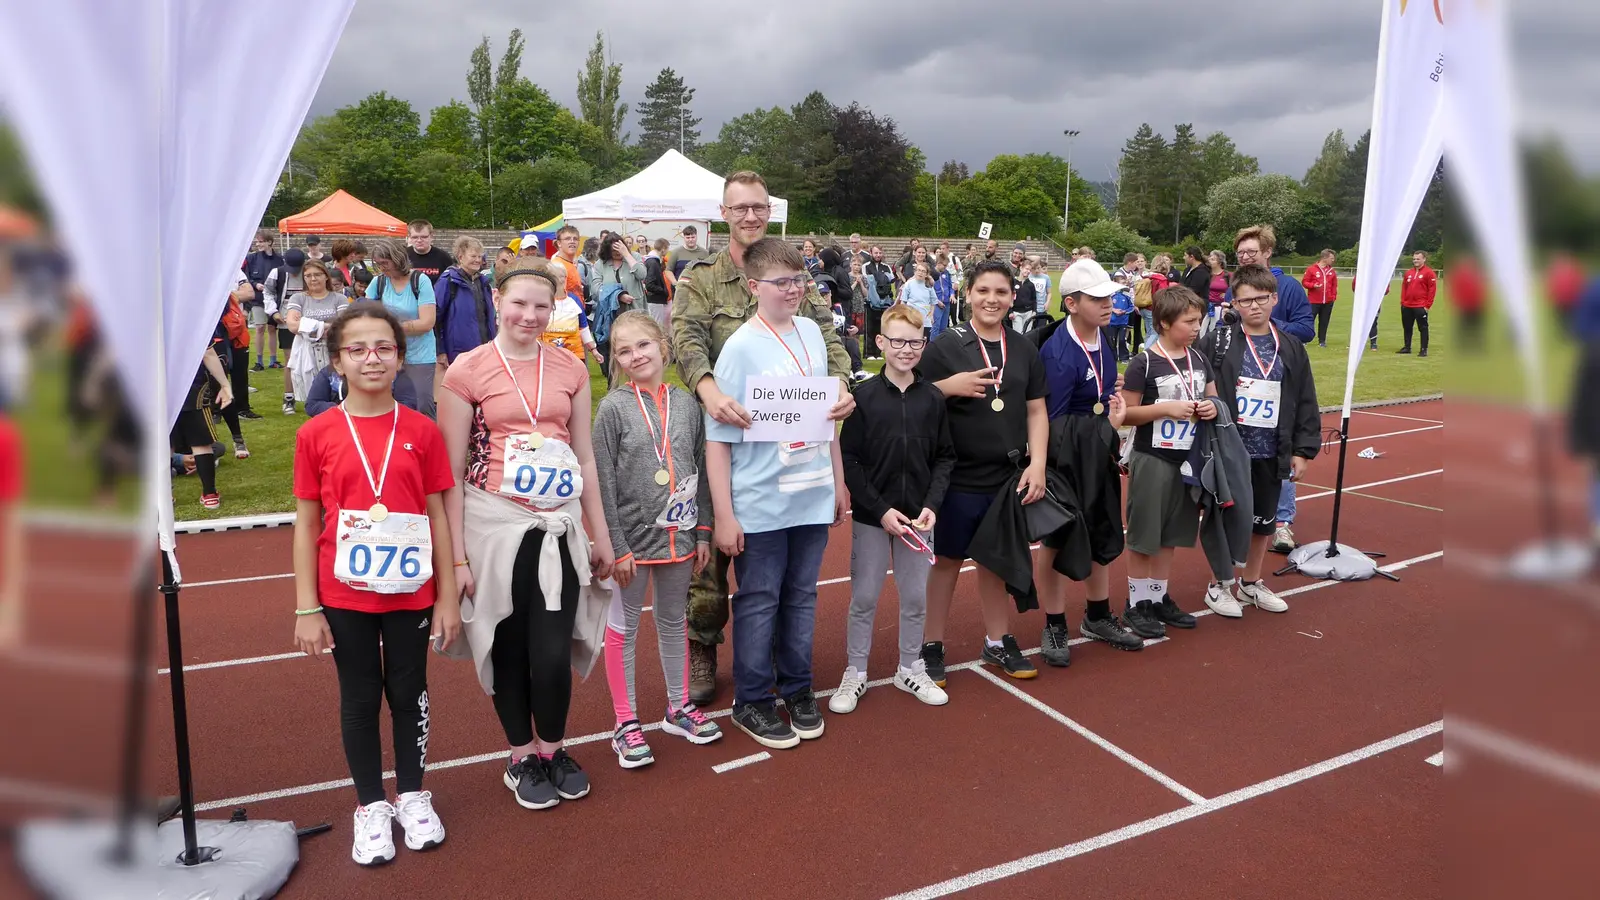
(10, 463)
(328, 469)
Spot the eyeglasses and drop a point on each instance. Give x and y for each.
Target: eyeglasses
(1257, 300)
(358, 353)
(903, 343)
(742, 211)
(788, 284)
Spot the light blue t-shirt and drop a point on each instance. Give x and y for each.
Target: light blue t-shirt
(919, 297)
(405, 306)
(774, 488)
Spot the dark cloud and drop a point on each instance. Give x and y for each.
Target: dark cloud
(964, 83)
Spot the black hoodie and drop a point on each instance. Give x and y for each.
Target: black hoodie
(896, 450)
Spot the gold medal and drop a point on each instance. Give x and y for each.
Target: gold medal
(377, 512)
(536, 440)
(1099, 408)
(662, 477)
(997, 404)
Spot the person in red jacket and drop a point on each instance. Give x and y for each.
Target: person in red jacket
(11, 555)
(1322, 289)
(1468, 295)
(1563, 283)
(1417, 290)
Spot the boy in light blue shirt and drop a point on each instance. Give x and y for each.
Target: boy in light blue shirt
(774, 503)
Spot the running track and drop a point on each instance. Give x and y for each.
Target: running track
(1269, 756)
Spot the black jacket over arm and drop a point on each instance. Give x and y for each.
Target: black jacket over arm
(896, 450)
(1299, 429)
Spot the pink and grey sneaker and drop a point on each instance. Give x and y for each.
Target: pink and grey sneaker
(629, 744)
(691, 724)
(211, 501)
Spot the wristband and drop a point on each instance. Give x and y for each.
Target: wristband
(462, 563)
(308, 612)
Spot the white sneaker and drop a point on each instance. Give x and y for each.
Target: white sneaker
(1221, 600)
(1283, 539)
(915, 681)
(374, 834)
(1261, 597)
(849, 693)
(415, 813)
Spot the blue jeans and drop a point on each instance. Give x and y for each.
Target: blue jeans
(1149, 317)
(941, 319)
(1286, 503)
(775, 611)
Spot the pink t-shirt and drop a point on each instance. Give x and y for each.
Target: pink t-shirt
(478, 378)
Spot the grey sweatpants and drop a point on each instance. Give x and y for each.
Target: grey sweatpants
(669, 582)
(870, 550)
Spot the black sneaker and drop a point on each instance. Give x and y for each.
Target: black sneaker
(1169, 613)
(258, 367)
(762, 722)
(569, 778)
(804, 716)
(1053, 646)
(933, 661)
(1008, 656)
(1142, 620)
(249, 414)
(530, 783)
(1112, 631)
(1422, 353)
(1402, 351)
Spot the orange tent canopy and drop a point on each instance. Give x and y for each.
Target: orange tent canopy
(340, 213)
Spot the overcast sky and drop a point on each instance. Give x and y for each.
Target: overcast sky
(968, 81)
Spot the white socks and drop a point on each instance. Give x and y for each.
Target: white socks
(1141, 589)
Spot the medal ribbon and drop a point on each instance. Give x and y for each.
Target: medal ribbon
(533, 414)
(1188, 388)
(1266, 373)
(805, 370)
(1000, 376)
(361, 453)
(913, 540)
(1094, 362)
(663, 445)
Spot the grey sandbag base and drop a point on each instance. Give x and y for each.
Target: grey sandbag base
(1350, 565)
(70, 860)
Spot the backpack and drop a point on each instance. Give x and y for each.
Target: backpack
(382, 282)
(238, 327)
(1144, 294)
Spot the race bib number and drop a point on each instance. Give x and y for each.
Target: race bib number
(682, 512)
(1259, 401)
(796, 453)
(546, 476)
(1173, 434)
(394, 556)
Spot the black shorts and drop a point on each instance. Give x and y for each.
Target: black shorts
(1266, 486)
(194, 428)
(285, 339)
(959, 518)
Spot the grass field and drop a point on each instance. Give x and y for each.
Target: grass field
(61, 475)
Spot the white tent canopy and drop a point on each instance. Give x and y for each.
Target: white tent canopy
(673, 188)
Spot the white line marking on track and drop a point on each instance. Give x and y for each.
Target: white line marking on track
(741, 762)
(222, 581)
(1152, 772)
(1521, 754)
(1156, 823)
(1437, 759)
(1387, 434)
(1366, 412)
(1358, 487)
(229, 663)
(22, 791)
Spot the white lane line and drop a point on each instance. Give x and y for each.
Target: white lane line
(1354, 438)
(1437, 759)
(1521, 754)
(741, 762)
(69, 661)
(1150, 771)
(1373, 484)
(1156, 823)
(1368, 412)
(228, 663)
(654, 726)
(221, 581)
(21, 791)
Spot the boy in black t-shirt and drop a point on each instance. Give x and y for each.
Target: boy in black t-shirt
(1167, 389)
(994, 391)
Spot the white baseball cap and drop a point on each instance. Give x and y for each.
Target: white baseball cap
(1088, 277)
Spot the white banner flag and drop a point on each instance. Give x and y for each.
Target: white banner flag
(1480, 148)
(1407, 138)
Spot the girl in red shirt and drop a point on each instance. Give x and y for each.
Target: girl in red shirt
(372, 563)
(11, 462)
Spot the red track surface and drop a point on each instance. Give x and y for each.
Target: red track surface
(896, 796)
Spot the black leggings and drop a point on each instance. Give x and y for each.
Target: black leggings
(1419, 316)
(1324, 316)
(239, 379)
(367, 673)
(532, 653)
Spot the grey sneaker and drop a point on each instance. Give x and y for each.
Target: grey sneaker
(530, 783)
(1283, 540)
(1142, 620)
(1053, 646)
(1112, 631)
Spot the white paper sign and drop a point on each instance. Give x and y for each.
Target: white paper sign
(983, 231)
(790, 409)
